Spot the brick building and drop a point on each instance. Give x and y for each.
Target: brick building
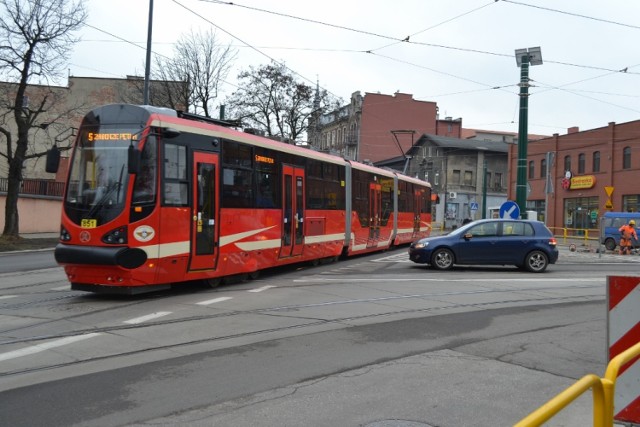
(578, 167)
(377, 127)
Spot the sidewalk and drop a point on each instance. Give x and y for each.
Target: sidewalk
(39, 235)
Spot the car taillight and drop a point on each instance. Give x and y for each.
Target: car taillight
(553, 241)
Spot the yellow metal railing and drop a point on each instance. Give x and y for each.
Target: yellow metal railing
(603, 394)
(565, 235)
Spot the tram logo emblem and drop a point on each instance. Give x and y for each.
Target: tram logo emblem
(85, 236)
(144, 233)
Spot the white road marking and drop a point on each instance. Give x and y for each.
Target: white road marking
(213, 301)
(264, 288)
(147, 317)
(46, 346)
(62, 288)
(440, 279)
(8, 296)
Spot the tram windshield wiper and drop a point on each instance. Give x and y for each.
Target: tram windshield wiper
(112, 188)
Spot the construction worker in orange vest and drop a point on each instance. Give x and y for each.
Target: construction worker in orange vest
(626, 233)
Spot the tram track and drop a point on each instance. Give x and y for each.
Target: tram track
(280, 311)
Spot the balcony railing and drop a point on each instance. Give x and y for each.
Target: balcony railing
(36, 187)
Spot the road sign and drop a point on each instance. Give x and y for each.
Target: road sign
(608, 190)
(473, 206)
(509, 210)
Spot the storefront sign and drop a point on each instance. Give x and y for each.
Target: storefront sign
(582, 182)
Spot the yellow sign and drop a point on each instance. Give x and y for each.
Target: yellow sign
(608, 190)
(95, 136)
(608, 205)
(89, 223)
(579, 182)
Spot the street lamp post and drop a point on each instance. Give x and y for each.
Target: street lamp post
(524, 57)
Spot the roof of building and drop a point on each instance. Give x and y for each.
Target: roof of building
(474, 144)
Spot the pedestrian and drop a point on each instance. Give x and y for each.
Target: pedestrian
(627, 232)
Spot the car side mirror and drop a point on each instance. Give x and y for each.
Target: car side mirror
(468, 236)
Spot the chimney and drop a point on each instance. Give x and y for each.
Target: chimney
(573, 129)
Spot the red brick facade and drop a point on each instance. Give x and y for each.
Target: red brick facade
(382, 114)
(597, 158)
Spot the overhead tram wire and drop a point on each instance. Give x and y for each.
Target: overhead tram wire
(138, 46)
(434, 26)
(400, 40)
(247, 44)
(488, 86)
(571, 14)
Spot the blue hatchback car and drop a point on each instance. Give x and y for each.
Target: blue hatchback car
(526, 244)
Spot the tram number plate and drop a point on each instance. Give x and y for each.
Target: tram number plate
(89, 223)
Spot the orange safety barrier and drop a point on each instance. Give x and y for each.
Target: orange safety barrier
(603, 394)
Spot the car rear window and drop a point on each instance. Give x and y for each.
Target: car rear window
(517, 229)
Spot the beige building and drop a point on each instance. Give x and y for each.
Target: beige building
(65, 106)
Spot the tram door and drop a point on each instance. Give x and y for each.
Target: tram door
(293, 211)
(204, 227)
(417, 211)
(375, 213)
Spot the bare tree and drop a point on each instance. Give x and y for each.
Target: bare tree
(272, 101)
(35, 40)
(202, 63)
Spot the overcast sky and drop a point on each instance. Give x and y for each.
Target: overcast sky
(460, 53)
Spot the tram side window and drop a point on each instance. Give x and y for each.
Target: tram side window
(267, 194)
(325, 185)
(176, 183)
(144, 188)
(333, 177)
(426, 199)
(386, 188)
(360, 199)
(405, 198)
(236, 154)
(237, 188)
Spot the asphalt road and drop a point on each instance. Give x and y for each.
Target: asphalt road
(373, 341)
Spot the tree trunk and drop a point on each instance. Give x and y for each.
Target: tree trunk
(11, 217)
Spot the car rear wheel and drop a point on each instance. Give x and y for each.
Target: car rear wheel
(442, 259)
(610, 244)
(536, 262)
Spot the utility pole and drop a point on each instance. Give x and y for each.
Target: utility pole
(484, 189)
(524, 57)
(147, 70)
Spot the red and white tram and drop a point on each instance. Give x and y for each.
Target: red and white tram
(156, 197)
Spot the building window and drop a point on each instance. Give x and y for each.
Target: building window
(567, 163)
(531, 169)
(543, 168)
(626, 158)
(631, 203)
(468, 178)
(455, 178)
(581, 163)
(596, 161)
(497, 180)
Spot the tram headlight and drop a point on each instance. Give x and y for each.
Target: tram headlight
(64, 234)
(116, 236)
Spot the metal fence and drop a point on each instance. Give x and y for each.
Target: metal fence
(36, 187)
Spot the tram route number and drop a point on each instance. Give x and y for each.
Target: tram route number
(89, 223)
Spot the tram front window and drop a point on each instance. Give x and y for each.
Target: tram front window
(98, 176)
